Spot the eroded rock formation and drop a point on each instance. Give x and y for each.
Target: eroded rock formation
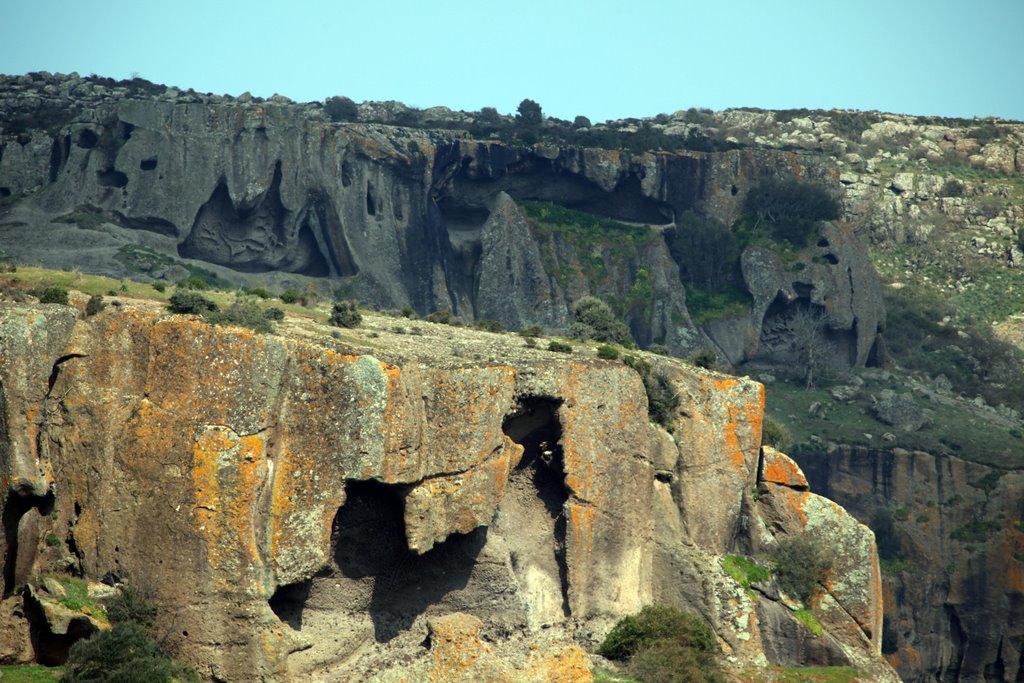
(303, 508)
(273, 194)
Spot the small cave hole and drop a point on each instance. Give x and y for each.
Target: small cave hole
(288, 602)
(803, 290)
(148, 164)
(110, 177)
(124, 130)
(832, 259)
(5, 192)
(87, 139)
(823, 242)
(371, 201)
(346, 174)
(734, 190)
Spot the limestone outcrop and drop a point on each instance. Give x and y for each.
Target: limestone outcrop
(306, 506)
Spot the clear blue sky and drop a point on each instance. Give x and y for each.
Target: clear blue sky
(599, 58)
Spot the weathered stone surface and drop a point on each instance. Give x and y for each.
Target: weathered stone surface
(901, 411)
(958, 612)
(778, 468)
(299, 506)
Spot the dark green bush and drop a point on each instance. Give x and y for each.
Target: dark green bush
(606, 352)
(160, 286)
(663, 644)
(274, 313)
(131, 605)
(258, 292)
(791, 207)
(94, 305)
(707, 251)
(196, 282)
(54, 294)
(670, 661)
(488, 325)
(190, 302)
(440, 317)
(801, 564)
(341, 108)
(705, 358)
(662, 398)
(290, 296)
(775, 434)
(532, 331)
(659, 349)
(595, 320)
(560, 347)
(124, 654)
(244, 312)
(345, 314)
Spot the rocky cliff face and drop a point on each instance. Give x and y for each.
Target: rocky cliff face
(304, 506)
(270, 193)
(951, 536)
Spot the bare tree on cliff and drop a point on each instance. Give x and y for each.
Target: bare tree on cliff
(812, 346)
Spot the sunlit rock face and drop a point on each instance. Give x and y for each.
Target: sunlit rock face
(296, 505)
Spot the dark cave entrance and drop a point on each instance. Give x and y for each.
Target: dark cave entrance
(371, 559)
(538, 492)
(16, 507)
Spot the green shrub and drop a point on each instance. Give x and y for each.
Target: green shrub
(532, 331)
(196, 282)
(244, 312)
(345, 314)
(274, 313)
(560, 347)
(531, 342)
(94, 305)
(290, 296)
(123, 654)
(258, 292)
(801, 564)
(705, 358)
(791, 208)
(606, 352)
(654, 623)
(488, 325)
(410, 313)
(190, 302)
(669, 661)
(54, 294)
(341, 108)
(595, 320)
(440, 317)
(160, 286)
(775, 434)
(664, 644)
(659, 349)
(52, 540)
(662, 398)
(131, 605)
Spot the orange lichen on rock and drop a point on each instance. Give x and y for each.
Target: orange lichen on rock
(778, 468)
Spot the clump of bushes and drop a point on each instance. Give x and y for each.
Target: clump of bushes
(196, 282)
(801, 563)
(94, 305)
(186, 301)
(345, 314)
(791, 208)
(662, 398)
(664, 645)
(595, 320)
(244, 312)
(128, 651)
(606, 352)
(560, 347)
(290, 296)
(54, 294)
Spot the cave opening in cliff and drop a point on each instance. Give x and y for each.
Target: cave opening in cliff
(373, 572)
(16, 560)
(537, 498)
